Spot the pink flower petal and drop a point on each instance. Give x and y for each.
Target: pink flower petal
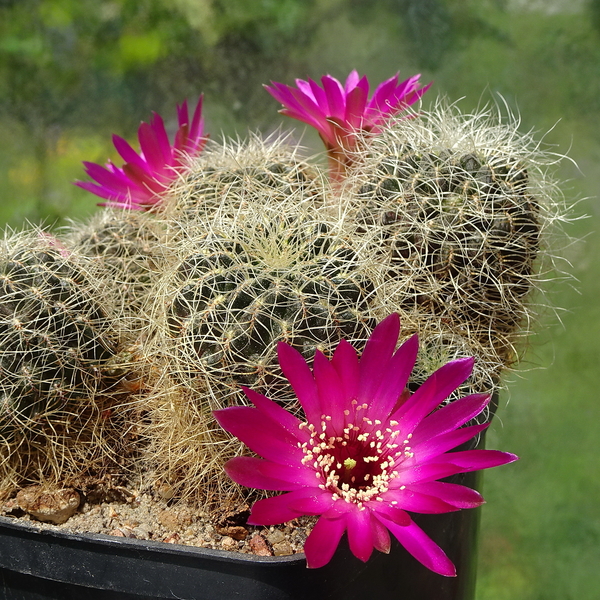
(474, 460)
(380, 536)
(299, 375)
(449, 417)
(435, 446)
(276, 509)
(352, 81)
(183, 114)
(414, 501)
(404, 91)
(323, 541)
(272, 410)
(394, 380)
(260, 433)
(265, 475)
(144, 185)
(379, 103)
(433, 392)
(196, 140)
(452, 493)
(312, 90)
(162, 139)
(108, 179)
(452, 463)
(181, 144)
(336, 99)
(422, 547)
(391, 513)
(113, 182)
(423, 472)
(376, 355)
(315, 503)
(149, 147)
(345, 362)
(360, 533)
(331, 393)
(356, 102)
(128, 154)
(298, 105)
(99, 190)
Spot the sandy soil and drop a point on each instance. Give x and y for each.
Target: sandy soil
(147, 516)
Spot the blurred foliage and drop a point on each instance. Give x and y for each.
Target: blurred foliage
(74, 71)
(72, 65)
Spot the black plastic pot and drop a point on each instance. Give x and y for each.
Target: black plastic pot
(40, 564)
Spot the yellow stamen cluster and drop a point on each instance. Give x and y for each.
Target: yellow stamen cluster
(357, 463)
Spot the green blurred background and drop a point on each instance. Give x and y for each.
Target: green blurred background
(74, 71)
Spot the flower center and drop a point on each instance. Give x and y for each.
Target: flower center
(357, 463)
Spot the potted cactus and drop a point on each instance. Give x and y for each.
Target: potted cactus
(239, 321)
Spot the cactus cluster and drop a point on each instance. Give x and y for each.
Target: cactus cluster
(440, 218)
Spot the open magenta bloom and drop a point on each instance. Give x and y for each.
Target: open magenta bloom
(340, 112)
(144, 176)
(367, 452)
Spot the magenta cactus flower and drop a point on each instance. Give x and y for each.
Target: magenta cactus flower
(139, 183)
(340, 112)
(367, 453)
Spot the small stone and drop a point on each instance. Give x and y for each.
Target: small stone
(10, 505)
(165, 491)
(237, 532)
(168, 519)
(128, 532)
(143, 532)
(282, 548)
(185, 518)
(275, 537)
(117, 533)
(228, 543)
(50, 506)
(258, 545)
(172, 539)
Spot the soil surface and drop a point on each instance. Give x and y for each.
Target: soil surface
(146, 516)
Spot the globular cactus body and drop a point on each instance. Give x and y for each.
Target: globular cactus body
(128, 249)
(230, 300)
(225, 177)
(270, 263)
(441, 218)
(457, 210)
(54, 339)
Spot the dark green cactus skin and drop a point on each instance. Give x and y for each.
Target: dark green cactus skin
(54, 335)
(462, 230)
(228, 309)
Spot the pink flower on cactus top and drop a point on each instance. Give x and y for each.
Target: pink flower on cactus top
(340, 112)
(139, 183)
(367, 452)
